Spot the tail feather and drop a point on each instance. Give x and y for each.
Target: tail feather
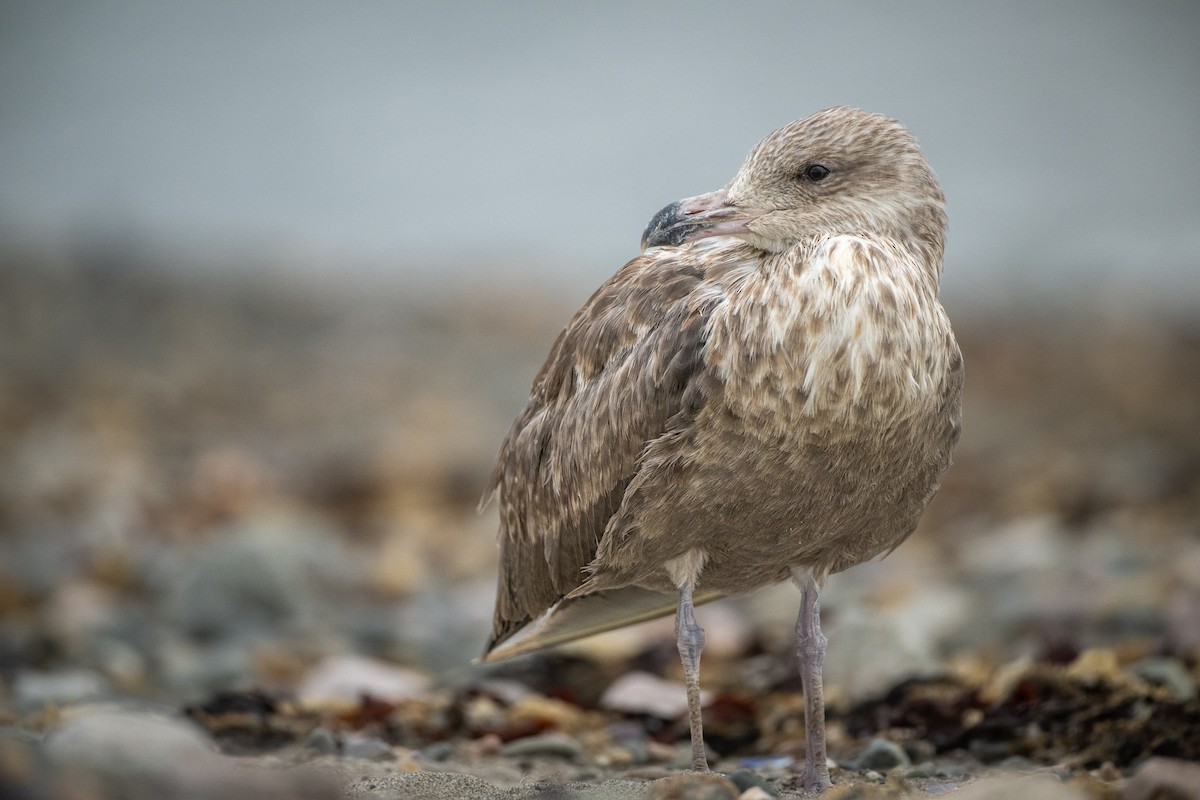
(578, 617)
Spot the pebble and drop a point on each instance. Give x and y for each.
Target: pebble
(643, 693)
(1166, 672)
(32, 691)
(123, 742)
(988, 751)
(193, 672)
(746, 780)
(870, 652)
(322, 740)
(756, 793)
(256, 577)
(21, 754)
(350, 677)
(438, 751)
(881, 755)
(142, 754)
(1017, 764)
(371, 748)
(1027, 788)
(694, 786)
(767, 762)
(951, 769)
(1164, 778)
(555, 745)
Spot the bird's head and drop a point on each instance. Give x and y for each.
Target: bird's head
(841, 170)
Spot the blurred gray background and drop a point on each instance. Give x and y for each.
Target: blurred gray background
(533, 140)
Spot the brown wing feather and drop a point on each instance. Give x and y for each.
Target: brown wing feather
(616, 376)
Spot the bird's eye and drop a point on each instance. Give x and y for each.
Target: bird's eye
(816, 172)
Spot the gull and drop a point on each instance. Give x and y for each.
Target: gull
(771, 391)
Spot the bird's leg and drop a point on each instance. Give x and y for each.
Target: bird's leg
(689, 637)
(810, 651)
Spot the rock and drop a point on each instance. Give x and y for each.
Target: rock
(21, 756)
(630, 738)
(349, 677)
(871, 652)
(556, 745)
(1097, 666)
(881, 755)
(441, 624)
(194, 672)
(142, 754)
(122, 663)
(746, 780)
(643, 693)
(372, 748)
(322, 740)
(257, 577)
(507, 691)
(1017, 764)
(546, 712)
(694, 786)
(752, 763)
(31, 691)
(1040, 787)
(438, 751)
(756, 793)
(129, 743)
(1164, 779)
(1166, 672)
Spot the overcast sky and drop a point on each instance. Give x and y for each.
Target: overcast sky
(541, 136)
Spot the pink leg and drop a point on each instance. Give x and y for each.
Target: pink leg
(810, 651)
(689, 637)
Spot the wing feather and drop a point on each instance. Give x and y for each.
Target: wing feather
(616, 377)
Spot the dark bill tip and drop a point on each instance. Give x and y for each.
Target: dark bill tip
(670, 227)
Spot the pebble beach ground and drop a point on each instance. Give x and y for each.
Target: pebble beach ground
(239, 557)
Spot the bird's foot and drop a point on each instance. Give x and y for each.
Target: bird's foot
(815, 780)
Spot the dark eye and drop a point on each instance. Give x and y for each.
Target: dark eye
(816, 172)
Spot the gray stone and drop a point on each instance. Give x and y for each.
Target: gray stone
(143, 754)
(322, 740)
(694, 786)
(870, 652)
(1025, 788)
(257, 576)
(372, 748)
(33, 690)
(349, 677)
(1164, 778)
(644, 693)
(193, 672)
(1017, 764)
(121, 742)
(438, 751)
(882, 755)
(1166, 672)
(10, 733)
(745, 779)
(556, 745)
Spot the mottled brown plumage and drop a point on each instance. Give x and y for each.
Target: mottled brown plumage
(770, 390)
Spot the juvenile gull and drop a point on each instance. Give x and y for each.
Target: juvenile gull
(770, 391)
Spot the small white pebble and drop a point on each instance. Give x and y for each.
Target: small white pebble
(755, 793)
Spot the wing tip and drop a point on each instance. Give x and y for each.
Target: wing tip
(576, 618)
